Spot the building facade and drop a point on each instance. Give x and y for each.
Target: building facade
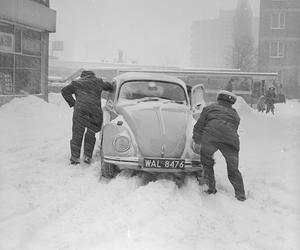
(279, 42)
(212, 40)
(24, 43)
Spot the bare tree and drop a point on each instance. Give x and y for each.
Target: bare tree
(243, 54)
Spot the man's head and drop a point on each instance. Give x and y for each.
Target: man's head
(86, 73)
(226, 96)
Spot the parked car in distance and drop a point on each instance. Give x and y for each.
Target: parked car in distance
(147, 129)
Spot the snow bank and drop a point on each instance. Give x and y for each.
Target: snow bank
(289, 110)
(242, 107)
(47, 204)
(28, 119)
(30, 105)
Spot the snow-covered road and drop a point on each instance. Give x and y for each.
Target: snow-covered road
(47, 204)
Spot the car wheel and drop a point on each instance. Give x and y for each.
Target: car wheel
(108, 170)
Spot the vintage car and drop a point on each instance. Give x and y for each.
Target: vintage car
(148, 124)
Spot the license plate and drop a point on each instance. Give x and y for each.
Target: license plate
(164, 163)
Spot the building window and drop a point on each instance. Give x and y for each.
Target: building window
(6, 74)
(31, 42)
(18, 40)
(6, 37)
(278, 21)
(276, 49)
(27, 75)
(6, 59)
(20, 60)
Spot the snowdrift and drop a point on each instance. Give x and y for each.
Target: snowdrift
(47, 204)
(242, 107)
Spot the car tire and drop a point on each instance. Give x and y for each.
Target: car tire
(108, 170)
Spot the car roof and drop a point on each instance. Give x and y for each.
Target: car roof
(131, 76)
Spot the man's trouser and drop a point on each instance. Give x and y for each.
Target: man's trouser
(78, 130)
(231, 156)
(270, 107)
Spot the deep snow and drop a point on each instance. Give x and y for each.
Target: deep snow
(47, 204)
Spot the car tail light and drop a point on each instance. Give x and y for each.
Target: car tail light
(121, 144)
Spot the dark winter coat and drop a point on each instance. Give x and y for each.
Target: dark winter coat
(270, 96)
(218, 123)
(261, 104)
(87, 105)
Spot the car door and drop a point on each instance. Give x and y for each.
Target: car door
(197, 100)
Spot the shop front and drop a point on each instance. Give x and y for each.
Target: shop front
(23, 58)
(20, 60)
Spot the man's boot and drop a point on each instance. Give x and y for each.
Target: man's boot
(211, 191)
(240, 197)
(87, 159)
(74, 160)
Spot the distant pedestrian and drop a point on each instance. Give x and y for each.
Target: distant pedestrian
(216, 129)
(87, 114)
(261, 104)
(270, 100)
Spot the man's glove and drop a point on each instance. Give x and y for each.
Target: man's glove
(196, 147)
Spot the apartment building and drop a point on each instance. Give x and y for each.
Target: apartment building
(279, 42)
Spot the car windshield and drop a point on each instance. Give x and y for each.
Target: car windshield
(152, 91)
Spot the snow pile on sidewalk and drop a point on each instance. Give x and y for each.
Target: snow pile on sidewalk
(242, 107)
(47, 204)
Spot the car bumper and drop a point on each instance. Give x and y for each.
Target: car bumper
(136, 163)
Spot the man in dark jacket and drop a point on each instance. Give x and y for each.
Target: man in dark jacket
(87, 114)
(216, 129)
(270, 100)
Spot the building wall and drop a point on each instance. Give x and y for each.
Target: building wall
(279, 42)
(24, 43)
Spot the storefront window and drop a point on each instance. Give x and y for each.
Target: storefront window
(6, 37)
(20, 60)
(6, 73)
(31, 42)
(7, 28)
(18, 41)
(27, 75)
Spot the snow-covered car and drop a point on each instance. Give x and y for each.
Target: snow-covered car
(148, 124)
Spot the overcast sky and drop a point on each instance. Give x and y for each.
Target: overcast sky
(156, 32)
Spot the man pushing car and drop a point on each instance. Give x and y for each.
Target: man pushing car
(216, 129)
(87, 114)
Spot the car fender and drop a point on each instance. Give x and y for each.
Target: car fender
(112, 130)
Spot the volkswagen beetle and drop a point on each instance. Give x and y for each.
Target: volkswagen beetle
(148, 124)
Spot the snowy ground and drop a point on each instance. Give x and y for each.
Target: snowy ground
(47, 204)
